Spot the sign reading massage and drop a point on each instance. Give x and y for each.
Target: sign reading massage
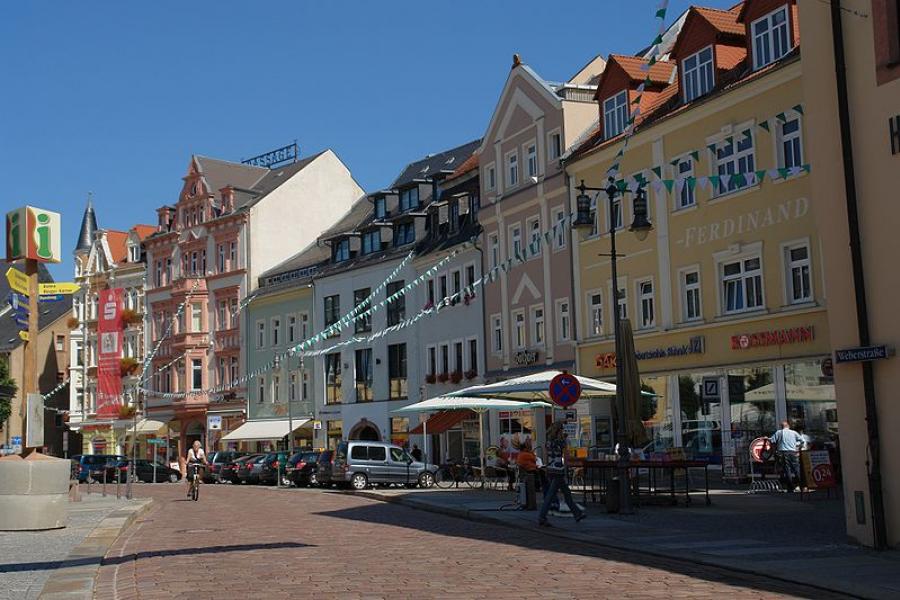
(33, 233)
(695, 345)
(773, 337)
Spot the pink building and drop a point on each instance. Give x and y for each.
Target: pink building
(231, 222)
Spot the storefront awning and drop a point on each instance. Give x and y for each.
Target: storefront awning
(272, 429)
(146, 427)
(442, 421)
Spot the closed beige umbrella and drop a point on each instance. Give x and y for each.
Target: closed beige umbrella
(631, 382)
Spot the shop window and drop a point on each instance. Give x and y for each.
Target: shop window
(742, 285)
(516, 429)
(397, 371)
(811, 403)
(400, 431)
(771, 37)
(335, 431)
(656, 414)
(799, 285)
(333, 393)
(752, 394)
(364, 375)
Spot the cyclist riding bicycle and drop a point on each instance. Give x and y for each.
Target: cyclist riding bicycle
(195, 457)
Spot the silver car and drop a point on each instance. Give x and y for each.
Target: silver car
(360, 464)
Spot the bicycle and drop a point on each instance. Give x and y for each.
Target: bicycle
(193, 473)
(452, 474)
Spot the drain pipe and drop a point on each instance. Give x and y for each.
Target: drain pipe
(876, 493)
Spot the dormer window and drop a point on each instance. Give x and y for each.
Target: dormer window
(371, 242)
(615, 114)
(134, 253)
(193, 189)
(380, 208)
(698, 74)
(771, 38)
(453, 208)
(341, 251)
(409, 199)
(404, 233)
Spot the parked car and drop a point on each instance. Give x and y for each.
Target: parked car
(272, 466)
(302, 469)
(229, 471)
(217, 460)
(361, 464)
(248, 470)
(143, 471)
(90, 467)
(324, 467)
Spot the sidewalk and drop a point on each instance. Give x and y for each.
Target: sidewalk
(772, 535)
(62, 563)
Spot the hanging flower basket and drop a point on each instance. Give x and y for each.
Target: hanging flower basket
(128, 366)
(73, 323)
(131, 317)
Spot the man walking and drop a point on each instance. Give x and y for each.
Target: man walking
(556, 475)
(787, 444)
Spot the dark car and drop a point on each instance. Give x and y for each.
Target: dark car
(91, 467)
(247, 471)
(272, 466)
(302, 469)
(229, 470)
(217, 460)
(143, 471)
(324, 468)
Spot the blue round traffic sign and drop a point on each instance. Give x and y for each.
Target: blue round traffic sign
(565, 389)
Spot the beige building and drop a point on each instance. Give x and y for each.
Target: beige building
(725, 295)
(861, 296)
(529, 312)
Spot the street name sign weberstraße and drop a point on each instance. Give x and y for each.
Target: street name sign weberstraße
(862, 354)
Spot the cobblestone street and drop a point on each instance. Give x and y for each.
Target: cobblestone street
(251, 542)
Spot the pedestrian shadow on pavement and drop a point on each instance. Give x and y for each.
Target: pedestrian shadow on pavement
(117, 560)
(392, 515)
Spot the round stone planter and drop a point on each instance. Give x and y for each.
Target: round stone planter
(34, 492)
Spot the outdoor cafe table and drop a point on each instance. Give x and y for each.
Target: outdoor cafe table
(659, 473)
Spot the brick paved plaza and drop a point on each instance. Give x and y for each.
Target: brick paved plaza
(251, 542)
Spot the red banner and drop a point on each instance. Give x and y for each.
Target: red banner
(109, 353)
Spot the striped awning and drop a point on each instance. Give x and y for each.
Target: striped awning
(442, 421)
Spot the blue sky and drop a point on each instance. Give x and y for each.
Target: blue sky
(114, 97)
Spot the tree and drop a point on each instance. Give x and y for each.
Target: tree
(6, 394)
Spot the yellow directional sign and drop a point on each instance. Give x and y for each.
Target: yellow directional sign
(60, 287)
(17, 280)
(23, 335)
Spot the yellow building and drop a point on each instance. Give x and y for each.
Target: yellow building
(861, 289)
(725, 295)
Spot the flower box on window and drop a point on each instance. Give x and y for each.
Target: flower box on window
(456, 376)
(430, 378)
(471, 374)
(443, 377)
(128, 366)
(131, 317)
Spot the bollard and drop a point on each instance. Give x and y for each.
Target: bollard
(104, 483)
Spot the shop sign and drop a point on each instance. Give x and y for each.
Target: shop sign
(695, 345)
(862, 354)
(33, 233)
(774, 337)
(214, 422)
(818, 469)
(526, 357)
(710, 388)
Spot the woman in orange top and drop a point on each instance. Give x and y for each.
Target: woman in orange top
(526, 460)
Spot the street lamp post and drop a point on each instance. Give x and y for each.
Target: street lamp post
(641, 227)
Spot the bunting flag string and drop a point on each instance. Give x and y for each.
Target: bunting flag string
(302, 349)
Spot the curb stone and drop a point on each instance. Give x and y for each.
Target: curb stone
(691, 557)
(77, 581)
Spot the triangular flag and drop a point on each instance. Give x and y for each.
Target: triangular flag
(739, 179)
(711, 147)
(658, 186)
(764, 125)
(784, 172)
(703, 181)
(760, 175)
(657, 40)
(661, 13)
(781, 117)
(806, 168)
(691, 182)
(773, 173)
(674, 162)
(657, 170)
(747, 134)
(669, 183)
(714, 180)
(695, 155)
(798, 108)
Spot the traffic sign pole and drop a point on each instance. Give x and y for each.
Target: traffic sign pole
(29, 364)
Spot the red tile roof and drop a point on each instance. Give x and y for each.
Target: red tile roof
(728, 57)
(144, 231)
(118, 245)
(469, 164)
(660, 72)
(725, 21)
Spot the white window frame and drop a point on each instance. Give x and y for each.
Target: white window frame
(514, 239)
(494, 249)
(275, 328)
(781, 139)
(538, 326)
(788, 266)
(529, 226)
(615, 113)
(685, 193)
(563, 320)
(621, 303)
(698, 80)
(496, 333)
(520, 342)
(645, 300)
(276, 388)
(260, 333)
(531, 158)
(291, 328)
(512, 174)
(685, 288)
(490, 177)
(293, 387)
(748, 252)
(431, 351)
(261, 388)
(194, 370)
(554, 150)
(592, 326)
(559, 218)
(467, 356)
(737, 156)
(769, 35)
